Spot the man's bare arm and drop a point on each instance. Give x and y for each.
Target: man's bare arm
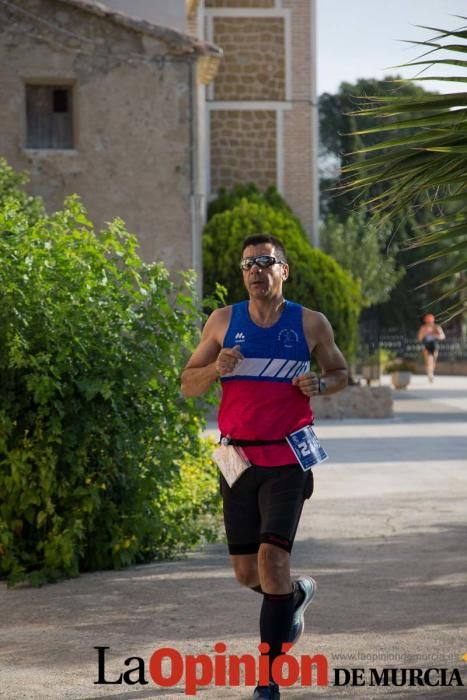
(330, 358)
(200, 372)
(320, 337)
(210, 361)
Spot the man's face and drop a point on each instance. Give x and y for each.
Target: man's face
(264, 283)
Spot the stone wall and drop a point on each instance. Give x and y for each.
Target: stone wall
(253, 66)
(298, 163)
(356, 402)
(240, 3)
(243, 147)
(132, 118)
(192, 24)
(299, 142)
(352, 402)
(261, 54)
(458, 368)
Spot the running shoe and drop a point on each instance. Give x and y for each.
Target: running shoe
(267, 692)
(308, 587)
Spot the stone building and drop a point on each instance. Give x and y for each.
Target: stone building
(136, 124)
(258, 120)
(106, 105)
(262, 111)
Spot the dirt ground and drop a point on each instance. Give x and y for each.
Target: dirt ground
(384, 535)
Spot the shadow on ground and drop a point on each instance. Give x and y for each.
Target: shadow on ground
(417, 580)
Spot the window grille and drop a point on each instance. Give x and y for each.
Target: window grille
(49, 116)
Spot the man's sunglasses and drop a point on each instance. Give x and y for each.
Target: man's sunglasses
(261, 261)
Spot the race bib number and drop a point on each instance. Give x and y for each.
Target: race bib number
(306, 447)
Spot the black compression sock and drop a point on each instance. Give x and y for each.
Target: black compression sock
(257, 589)
(275, 621)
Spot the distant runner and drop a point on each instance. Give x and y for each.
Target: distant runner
(430, 334)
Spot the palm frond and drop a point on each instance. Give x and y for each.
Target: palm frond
(427, 166)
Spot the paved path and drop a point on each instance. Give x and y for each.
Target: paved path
(384, 535)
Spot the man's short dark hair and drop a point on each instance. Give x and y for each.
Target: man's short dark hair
(258, 238)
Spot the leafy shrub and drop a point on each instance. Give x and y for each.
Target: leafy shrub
(400, 364)
(189, 506)
(101, 460)
(358, 245)
(316, 280)
(11, 185)
(229, 200)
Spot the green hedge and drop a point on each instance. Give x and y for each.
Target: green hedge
(102, 464)
(11, 185)
(230, 199)
(316, 280)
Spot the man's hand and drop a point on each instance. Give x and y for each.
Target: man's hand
(308, 383)
(228, 359)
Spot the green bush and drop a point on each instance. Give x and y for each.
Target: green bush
(11, 185)
(101, 460)
(316, 280)
(229, 200)
(358, 245)
(400, 364)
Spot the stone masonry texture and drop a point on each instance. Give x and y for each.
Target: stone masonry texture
(253, 67)
(298, 144)
(356, 402)
(243, 148)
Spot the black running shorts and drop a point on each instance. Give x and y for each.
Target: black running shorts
(265, 505)
(431, 346)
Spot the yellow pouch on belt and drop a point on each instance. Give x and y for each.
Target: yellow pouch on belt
(231, 461)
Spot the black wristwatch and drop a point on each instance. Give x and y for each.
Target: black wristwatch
(321, 386)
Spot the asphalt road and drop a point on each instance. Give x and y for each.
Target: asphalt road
(384, 535)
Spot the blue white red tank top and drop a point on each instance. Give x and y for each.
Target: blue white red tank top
(259, 401)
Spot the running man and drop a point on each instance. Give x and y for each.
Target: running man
(430, 333)
(260, 350)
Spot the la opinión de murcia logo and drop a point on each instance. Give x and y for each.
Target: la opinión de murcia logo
(219, 669)
(397, 677)
(168, 668)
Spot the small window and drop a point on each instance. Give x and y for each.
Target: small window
(49, 116)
